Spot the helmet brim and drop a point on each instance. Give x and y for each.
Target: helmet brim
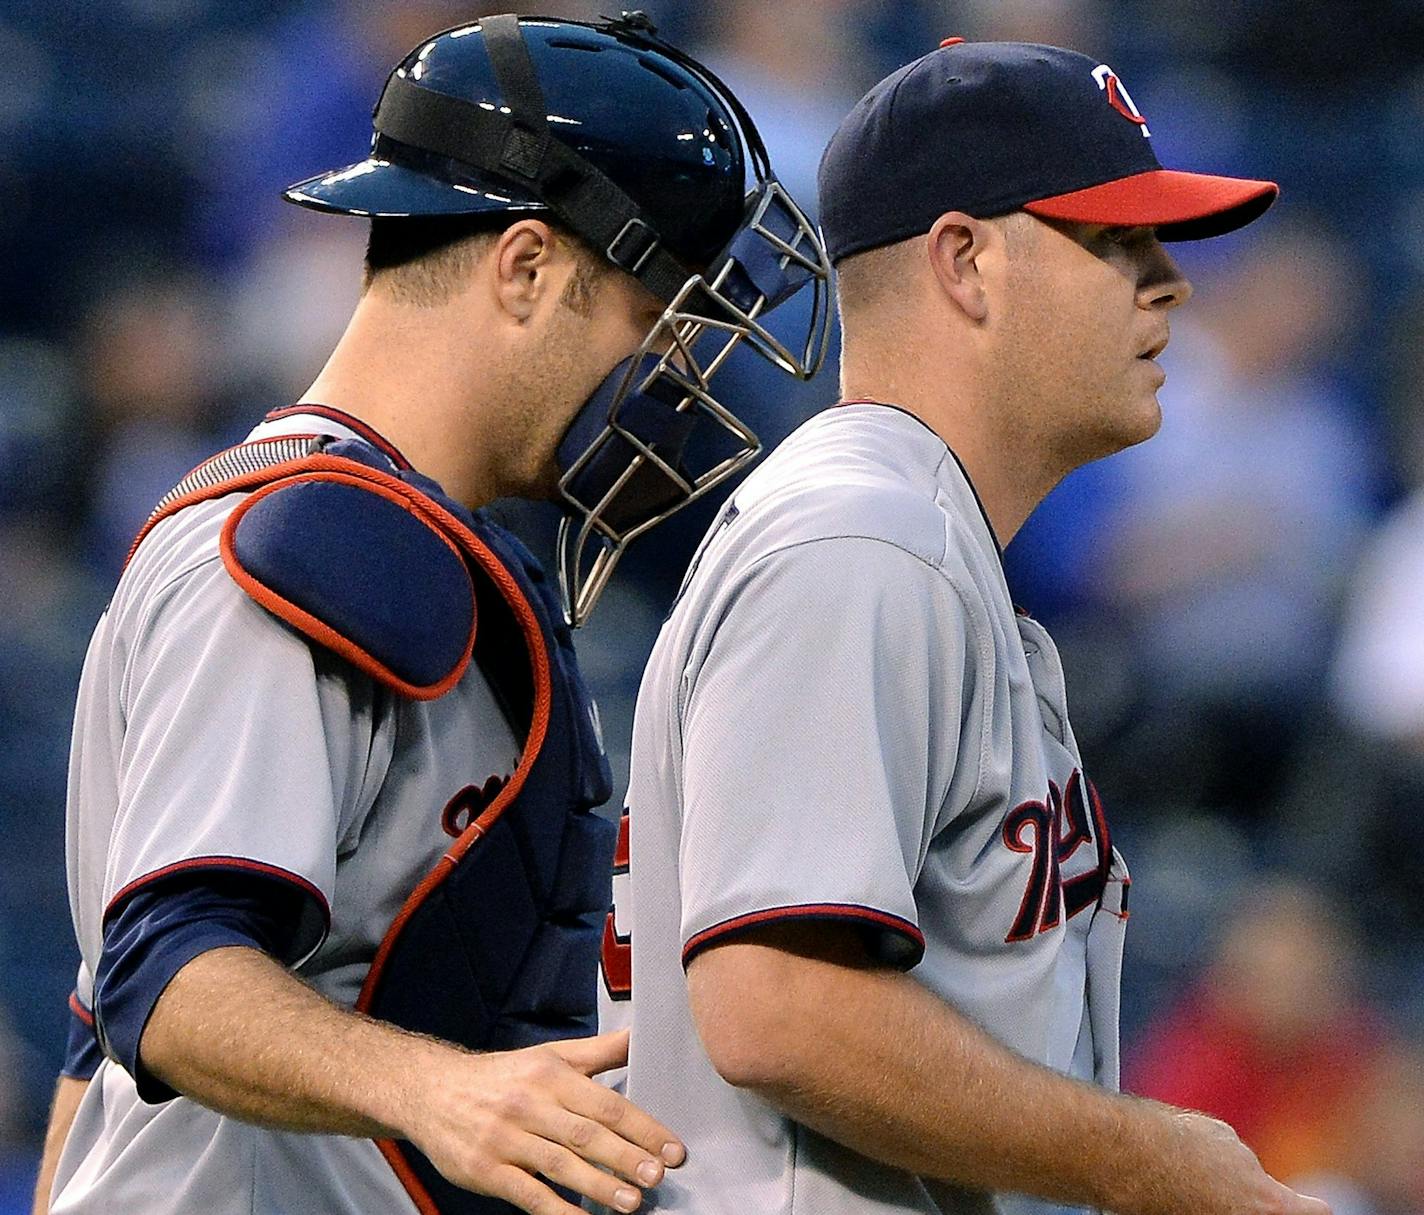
(379, 188)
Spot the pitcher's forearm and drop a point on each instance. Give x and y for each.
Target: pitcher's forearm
(68, 1092)
(878, 1063)
(896, 1074)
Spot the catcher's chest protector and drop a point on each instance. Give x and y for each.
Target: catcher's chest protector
(497, 946)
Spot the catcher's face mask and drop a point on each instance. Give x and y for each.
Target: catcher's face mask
(654, 437)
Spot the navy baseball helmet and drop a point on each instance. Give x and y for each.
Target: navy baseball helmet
(648, 158)
(650, 124)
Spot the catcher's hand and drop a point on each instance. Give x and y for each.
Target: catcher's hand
(501, 1122)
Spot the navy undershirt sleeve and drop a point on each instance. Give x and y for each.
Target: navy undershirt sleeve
(81, 1050)
(159, 929)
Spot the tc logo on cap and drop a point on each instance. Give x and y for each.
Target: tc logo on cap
(1119, 98)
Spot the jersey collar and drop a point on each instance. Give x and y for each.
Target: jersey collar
(958, 463)
(349, 427)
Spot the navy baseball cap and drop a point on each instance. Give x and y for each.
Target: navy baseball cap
(992, 127)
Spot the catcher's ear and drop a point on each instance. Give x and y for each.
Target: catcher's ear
(521, 259)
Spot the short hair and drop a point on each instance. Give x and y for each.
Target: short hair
(424, 260)
(873, 281)
(868, 280)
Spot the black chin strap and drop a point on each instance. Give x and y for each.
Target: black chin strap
(518, 146)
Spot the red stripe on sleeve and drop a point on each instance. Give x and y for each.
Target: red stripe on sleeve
(847, 912)
(79, 1010)
(224, 862)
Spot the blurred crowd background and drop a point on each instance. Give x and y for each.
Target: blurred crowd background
(1237, 602)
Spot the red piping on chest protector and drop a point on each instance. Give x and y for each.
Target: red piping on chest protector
(533, 744)
(209, 492)
(406, 1176)
(534, 643)
(353, 472)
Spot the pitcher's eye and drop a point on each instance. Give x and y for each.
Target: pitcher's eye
(1126, 237)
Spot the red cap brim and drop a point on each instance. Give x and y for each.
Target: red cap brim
(1181, 206)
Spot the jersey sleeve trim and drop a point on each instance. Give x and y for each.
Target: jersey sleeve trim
(242, 864)
(908, 941)
(78, 1009)
(152, 938)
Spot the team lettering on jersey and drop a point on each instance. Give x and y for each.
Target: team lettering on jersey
(1051, 832)
(618, 947)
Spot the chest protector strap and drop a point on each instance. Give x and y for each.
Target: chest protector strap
(497, 946)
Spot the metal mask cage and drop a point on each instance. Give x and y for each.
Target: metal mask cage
(689, 343)
(688, 349)
(775, 254)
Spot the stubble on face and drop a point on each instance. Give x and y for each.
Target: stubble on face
(1072, 383)
(598, 321)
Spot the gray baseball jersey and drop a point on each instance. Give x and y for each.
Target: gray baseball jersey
(206, 728)
(844, 718)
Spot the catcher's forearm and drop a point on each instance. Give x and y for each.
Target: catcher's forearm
(68, 1092)
(241, 1035)
(238, 1033)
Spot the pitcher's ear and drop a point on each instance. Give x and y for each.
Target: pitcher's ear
(958, 246)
